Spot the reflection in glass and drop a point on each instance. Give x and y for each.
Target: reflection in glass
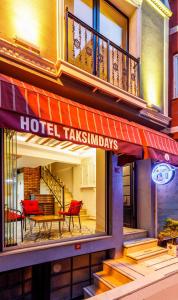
(83, 9)
(113, 24)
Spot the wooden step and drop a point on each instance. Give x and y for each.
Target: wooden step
(143, 255)
(116, 272)
(139, 244)
(91, 291)
(105, 281)
(117, 266)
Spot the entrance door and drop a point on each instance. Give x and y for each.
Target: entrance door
(129, 196)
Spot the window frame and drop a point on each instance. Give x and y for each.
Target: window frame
(119, 11)
(175, 76)
(107, 204)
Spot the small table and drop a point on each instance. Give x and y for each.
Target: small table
(45, 220)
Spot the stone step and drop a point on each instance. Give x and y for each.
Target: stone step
(139, 244)
(143, 255)
(157, 260)
(105, 281)
(133, 234)
(91, 291)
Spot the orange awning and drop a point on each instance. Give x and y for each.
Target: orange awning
(159, 146)
(24, 107)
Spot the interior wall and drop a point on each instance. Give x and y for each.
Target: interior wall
(31, 181)
(65, 173)
(85, 193)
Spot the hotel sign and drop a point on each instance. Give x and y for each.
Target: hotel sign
(163, 173)
(44, 128)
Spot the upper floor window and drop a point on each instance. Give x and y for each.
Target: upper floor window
(82, 9)
(96, 40)
(113, 24)
(103, 17)
(175, 71)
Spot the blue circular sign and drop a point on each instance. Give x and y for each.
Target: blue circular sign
(163, 173)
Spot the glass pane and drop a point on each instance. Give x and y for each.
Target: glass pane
(10, 187)
(113, 24)
(80, 45)
(83, 9)
(56, 177)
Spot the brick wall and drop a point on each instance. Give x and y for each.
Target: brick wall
(31, 181)
(46, 202)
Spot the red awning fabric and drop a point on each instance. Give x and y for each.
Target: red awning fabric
(159, 146)
(24, 107)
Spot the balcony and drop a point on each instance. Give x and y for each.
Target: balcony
(94, 53)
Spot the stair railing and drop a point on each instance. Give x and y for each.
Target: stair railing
(55, 185)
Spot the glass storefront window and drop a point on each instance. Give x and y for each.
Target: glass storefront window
(45, 178)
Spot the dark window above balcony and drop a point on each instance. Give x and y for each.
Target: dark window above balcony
(93, 52)
(83, 9)
(113, 24)
(102, 16)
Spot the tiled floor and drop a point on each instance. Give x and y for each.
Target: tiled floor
(40, 233)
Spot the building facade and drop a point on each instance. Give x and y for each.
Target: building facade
(169, 209)
(84, 98)
(173, 67)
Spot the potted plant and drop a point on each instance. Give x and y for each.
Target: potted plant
(170, 234)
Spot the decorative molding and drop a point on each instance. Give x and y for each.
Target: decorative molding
(65, 68)
(33, 60)
(155, 116)
(21, 55)
(173, 129)
(136, 2)
(161, 7)
(173, 30)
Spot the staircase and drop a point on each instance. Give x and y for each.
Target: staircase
(50, 184)
(138, 256)
(54, 185)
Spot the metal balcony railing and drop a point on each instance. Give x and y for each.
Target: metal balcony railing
(55, 186)
(94, 53)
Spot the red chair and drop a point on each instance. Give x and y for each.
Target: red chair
(14, 215)
(31, 207)
(73, 211)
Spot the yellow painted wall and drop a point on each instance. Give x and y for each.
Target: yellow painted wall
(152, 55)
(31, 20)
